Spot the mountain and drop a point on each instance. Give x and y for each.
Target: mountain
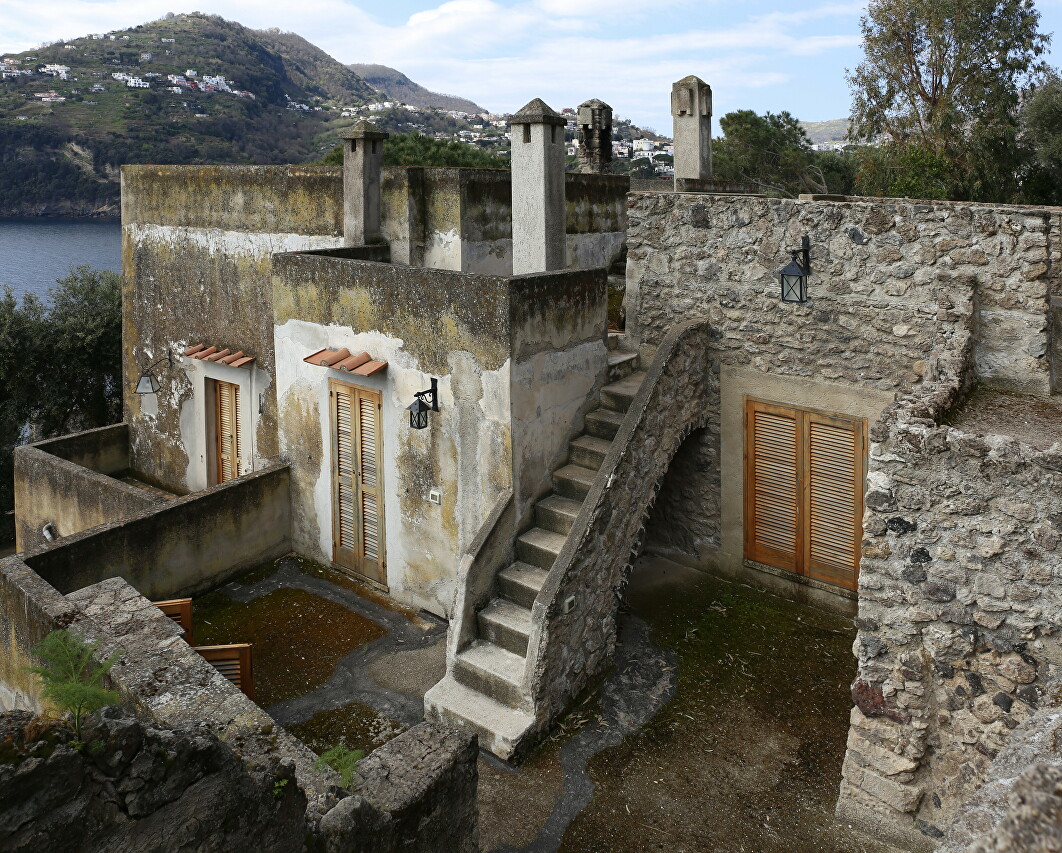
(190, 88)
(398, 87)
(820, 132)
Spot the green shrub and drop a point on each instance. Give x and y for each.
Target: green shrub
(72, 679)
(341, 759)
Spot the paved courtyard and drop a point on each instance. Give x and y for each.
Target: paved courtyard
(722, 726)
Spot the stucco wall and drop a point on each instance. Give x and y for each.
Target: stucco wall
(197, 247)
(559, 324)
(181, 547)
(66, 482)
(424, 323)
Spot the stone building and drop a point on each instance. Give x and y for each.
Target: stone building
(342, 363)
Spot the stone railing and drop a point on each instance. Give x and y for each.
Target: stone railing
(573, 632)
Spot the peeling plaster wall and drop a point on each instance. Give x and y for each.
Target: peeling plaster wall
(424, 323)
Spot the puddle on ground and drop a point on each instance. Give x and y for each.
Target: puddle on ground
(356, 725)
(298, 637)
(747, 755)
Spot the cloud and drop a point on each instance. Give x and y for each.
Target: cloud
(502, 53)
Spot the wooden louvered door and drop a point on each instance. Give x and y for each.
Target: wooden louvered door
(804, 476)
(357, 494)
(227, 430)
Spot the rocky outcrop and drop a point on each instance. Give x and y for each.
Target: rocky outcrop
(138, 788)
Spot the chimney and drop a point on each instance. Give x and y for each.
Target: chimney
(595, 137)
(538, 156)
(691, 106)
(362, 163)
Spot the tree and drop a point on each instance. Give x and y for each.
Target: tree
(945, 78)
(415, 149)
(774, 151)
(1041, 131)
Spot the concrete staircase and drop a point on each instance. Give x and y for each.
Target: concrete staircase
(484, 690)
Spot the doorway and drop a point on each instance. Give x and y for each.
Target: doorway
(357, 493)
(227, 450)
(804, 479)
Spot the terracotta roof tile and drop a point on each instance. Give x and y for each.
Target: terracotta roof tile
(362, 363)
(202, 352)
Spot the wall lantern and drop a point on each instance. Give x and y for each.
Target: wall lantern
(148, 383)
(795, 274)
(419, 408)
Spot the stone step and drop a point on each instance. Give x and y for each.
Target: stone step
(539, 547)
(573, 481)
(588, 451)
(619, 395)
(493, 671)
(500, 728)
(621, 365)
(613, 341)
(557, 513)
(604, 423)
(521, 583)
(506, 624)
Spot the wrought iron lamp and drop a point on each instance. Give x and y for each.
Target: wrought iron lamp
(419, 408)
(148, 383)
(794, 276)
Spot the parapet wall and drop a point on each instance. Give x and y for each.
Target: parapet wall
(67, 482)
(178, 547)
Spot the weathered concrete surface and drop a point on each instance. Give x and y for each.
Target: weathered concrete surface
(691, 107)
(67, 482)
(538, 189)
(179, 547)
(141, 789)
(363, 147)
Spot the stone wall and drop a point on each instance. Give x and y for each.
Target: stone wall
(71, 483)
(959, 613)
(179, 547)
(1018, 809)
(894, 286)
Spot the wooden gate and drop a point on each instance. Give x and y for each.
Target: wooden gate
(804, 479)
(357, 493)
(227, 430)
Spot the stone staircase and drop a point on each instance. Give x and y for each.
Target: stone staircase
(485, 689)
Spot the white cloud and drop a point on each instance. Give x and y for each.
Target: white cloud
(502, 53)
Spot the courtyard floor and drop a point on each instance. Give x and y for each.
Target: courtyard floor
(721, 728)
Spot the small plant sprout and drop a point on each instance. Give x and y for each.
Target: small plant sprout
(343, 760)
(72, 679)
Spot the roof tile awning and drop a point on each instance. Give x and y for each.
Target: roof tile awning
(361, 363)
(222, 356)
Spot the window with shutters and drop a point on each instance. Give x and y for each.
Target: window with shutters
(804, 476)
(227, 430)
(357, 493)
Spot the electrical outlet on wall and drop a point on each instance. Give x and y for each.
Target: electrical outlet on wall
(435, 496)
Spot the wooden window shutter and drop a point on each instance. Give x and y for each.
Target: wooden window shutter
(804, 476)
(180, 611)
(834, 448)
(234, 663)
(772, 489)
(227, 396)
(358, 530)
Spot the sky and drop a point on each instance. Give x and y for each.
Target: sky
(757, 54)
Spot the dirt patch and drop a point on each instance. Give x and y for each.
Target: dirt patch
(747, 755)
(514, 804)
(298, 637)
(316, 570)
(356, 725)
(1037, 421)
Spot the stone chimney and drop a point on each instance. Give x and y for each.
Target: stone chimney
(362, 164)
(691, 105)
(538, 155)
(595, 137)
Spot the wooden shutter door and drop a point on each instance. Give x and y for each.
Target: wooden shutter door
(772, 485)
(357, 523)
(834, 499)
(804, 476)
(227, 427)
